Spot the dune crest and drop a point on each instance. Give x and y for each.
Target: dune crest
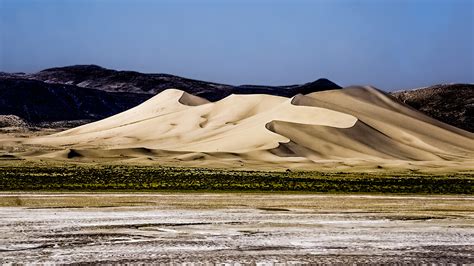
(360, 123)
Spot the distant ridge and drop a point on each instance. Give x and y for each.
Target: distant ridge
(96, 77)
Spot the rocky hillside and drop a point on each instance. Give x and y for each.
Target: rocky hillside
(452, 104)
(12, 121)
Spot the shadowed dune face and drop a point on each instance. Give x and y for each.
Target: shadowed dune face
(355, 123)
(395, 120)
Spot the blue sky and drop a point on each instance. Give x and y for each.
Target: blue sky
(389, 44)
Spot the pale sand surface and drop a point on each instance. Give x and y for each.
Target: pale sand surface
(353, 128)
(235, 228)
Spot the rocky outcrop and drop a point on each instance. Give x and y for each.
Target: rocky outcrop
(449, 103)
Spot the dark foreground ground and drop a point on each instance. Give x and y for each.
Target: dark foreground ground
(32, 176)
(253, 228)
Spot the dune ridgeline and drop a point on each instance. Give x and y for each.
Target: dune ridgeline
(354, 127)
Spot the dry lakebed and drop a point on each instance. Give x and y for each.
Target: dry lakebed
(235, 228)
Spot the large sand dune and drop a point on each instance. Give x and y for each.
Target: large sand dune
(355, 125)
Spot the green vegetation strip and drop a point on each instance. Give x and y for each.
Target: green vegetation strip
(155, 178)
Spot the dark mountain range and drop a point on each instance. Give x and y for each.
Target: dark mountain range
(87, 93)
(37, 102)
(450, 103)
(96, 77)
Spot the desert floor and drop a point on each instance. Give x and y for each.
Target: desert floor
(235, 227)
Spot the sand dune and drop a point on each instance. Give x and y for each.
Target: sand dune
(352, 124)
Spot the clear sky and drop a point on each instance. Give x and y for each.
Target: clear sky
(391, 44)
